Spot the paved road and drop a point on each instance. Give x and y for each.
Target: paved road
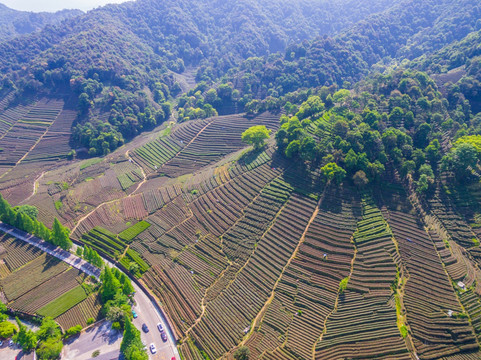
(147, 312)
(149, 315)
(59, 253)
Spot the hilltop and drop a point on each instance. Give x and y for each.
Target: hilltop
(15, 23)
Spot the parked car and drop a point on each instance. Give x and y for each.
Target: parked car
(1, 343)
(173, 358)
(164, 336)
(134, 314)
(159, 326)
(153, 350)
(145, 328)
(11, 343)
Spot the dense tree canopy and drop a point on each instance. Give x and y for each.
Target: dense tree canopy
(256, 136)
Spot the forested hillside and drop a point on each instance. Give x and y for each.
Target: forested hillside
(126, 51)
(15, 23)
(404, 31)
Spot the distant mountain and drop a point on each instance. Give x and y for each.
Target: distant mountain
(406, 30)
(15, 23)
(135, 46)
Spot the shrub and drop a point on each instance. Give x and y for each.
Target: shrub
(343, 284)
(74, 330)
(7, 329)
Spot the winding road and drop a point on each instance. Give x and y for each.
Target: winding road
(148, 311)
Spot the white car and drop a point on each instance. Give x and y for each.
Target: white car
(159, 326)
(153, 350)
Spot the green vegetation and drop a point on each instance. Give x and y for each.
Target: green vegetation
(132, 257)
(73, 331)
(100, 239)
(115, 293)
(7, 329)
(63, 302)
(343, 284)
(132, 347)
(50, 340)
(129, 234)
(24, 337)
(59, 235)
(256, 136)
(91, 256)
(58, 205)
(242, 353)
(90, 162)
(29, 210)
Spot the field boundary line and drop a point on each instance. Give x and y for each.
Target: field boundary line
(261, 312)
(52, 250)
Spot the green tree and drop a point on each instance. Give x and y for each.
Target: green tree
(74, 330)
(48, 329)
(350, 161)
(131, 345)
(134, 268)
(29, 210)
(110, 285)
(308, 149)
(422, 185)
(127, 287)
(432, 151)
(333, 172)
(3, 310)
(79, 252)
(360, 179)
(408, 167)
(25, 338)
(50, 349)
(242, 353)
(461, 160)
(396, 116)
(60, 235)
(7, 329)
(256, 136)
(293, 148)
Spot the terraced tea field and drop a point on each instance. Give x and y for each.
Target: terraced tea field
(241, 249)
(39, 284)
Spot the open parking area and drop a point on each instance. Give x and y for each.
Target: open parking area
(100, 339)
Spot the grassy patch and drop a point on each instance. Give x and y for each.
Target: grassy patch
(129, 234)
(63, 303)
(90, 162)
(58, 205)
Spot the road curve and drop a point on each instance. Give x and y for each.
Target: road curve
(147, 310)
